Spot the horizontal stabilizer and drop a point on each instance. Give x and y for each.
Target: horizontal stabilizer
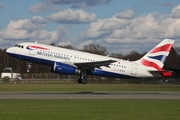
(162, 73)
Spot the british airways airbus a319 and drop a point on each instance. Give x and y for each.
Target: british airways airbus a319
(65, 61)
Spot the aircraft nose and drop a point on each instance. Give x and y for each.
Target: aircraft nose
(10, 50)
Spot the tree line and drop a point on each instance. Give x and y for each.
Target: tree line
(20, 66)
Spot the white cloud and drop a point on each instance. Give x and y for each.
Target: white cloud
(72, 17)
(116, 33)
(28, 25)
(64, 43)
(82, 44)
(24, 30)
(129, 14)
(41, 35)
(41, 7)
(146, 30)
(94, 30)
(176, 12)
(58, 35)
(14, 31)
(142, 27)
(39, 20)
(79, 3)
(112, 24)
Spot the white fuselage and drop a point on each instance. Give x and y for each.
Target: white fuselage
(48, 55)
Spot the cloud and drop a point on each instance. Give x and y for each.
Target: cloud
(79, 3)
(14, 31)
(1, 6)
(72, 17)
(176, 12)
(82, 44)
(94, 31)
(64, 43)
(162, 3)
(41, 7)
(111, 24)
(147, 30)
(30, 26)
(25, 30)
(122, 32)
(39, 20)
(59, 34)
(129, 14)
(168, 4)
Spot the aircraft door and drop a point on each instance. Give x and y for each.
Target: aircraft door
(32, 52)
(134, 69)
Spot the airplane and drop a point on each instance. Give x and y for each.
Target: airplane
(66, 61)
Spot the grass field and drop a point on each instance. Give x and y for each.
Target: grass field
(89, 109)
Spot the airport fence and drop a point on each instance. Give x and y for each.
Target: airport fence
(95, 79)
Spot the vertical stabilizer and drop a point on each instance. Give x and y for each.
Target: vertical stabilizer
(156, 58)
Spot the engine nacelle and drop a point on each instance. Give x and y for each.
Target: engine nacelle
(63, 68)
(167, 74)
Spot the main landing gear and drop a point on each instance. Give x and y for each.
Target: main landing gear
(82, 79)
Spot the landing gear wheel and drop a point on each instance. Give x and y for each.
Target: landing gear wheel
(79, 80)
(82, 80)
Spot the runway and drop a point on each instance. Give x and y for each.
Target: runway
(91, 95)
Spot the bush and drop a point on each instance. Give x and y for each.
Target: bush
(5, 79)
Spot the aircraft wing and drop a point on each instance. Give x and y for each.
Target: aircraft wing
(92, 65)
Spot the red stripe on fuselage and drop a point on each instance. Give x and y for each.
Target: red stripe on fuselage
(38, 47)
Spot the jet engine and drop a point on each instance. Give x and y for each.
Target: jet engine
(63, 68)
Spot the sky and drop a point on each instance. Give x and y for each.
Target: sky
(121, 26)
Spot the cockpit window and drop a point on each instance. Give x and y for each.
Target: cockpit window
(19, 46)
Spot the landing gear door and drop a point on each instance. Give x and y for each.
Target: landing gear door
(134, 69)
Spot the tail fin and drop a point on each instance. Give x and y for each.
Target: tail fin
(156, 58)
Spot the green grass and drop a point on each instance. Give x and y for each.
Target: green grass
(74, 109)
(89, 109)
(56, 87)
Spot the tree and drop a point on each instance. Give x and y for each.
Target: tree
(53, 44)
(133, 55)
(117, 55)
(66, 46)
(96, 49)
(177, 61)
